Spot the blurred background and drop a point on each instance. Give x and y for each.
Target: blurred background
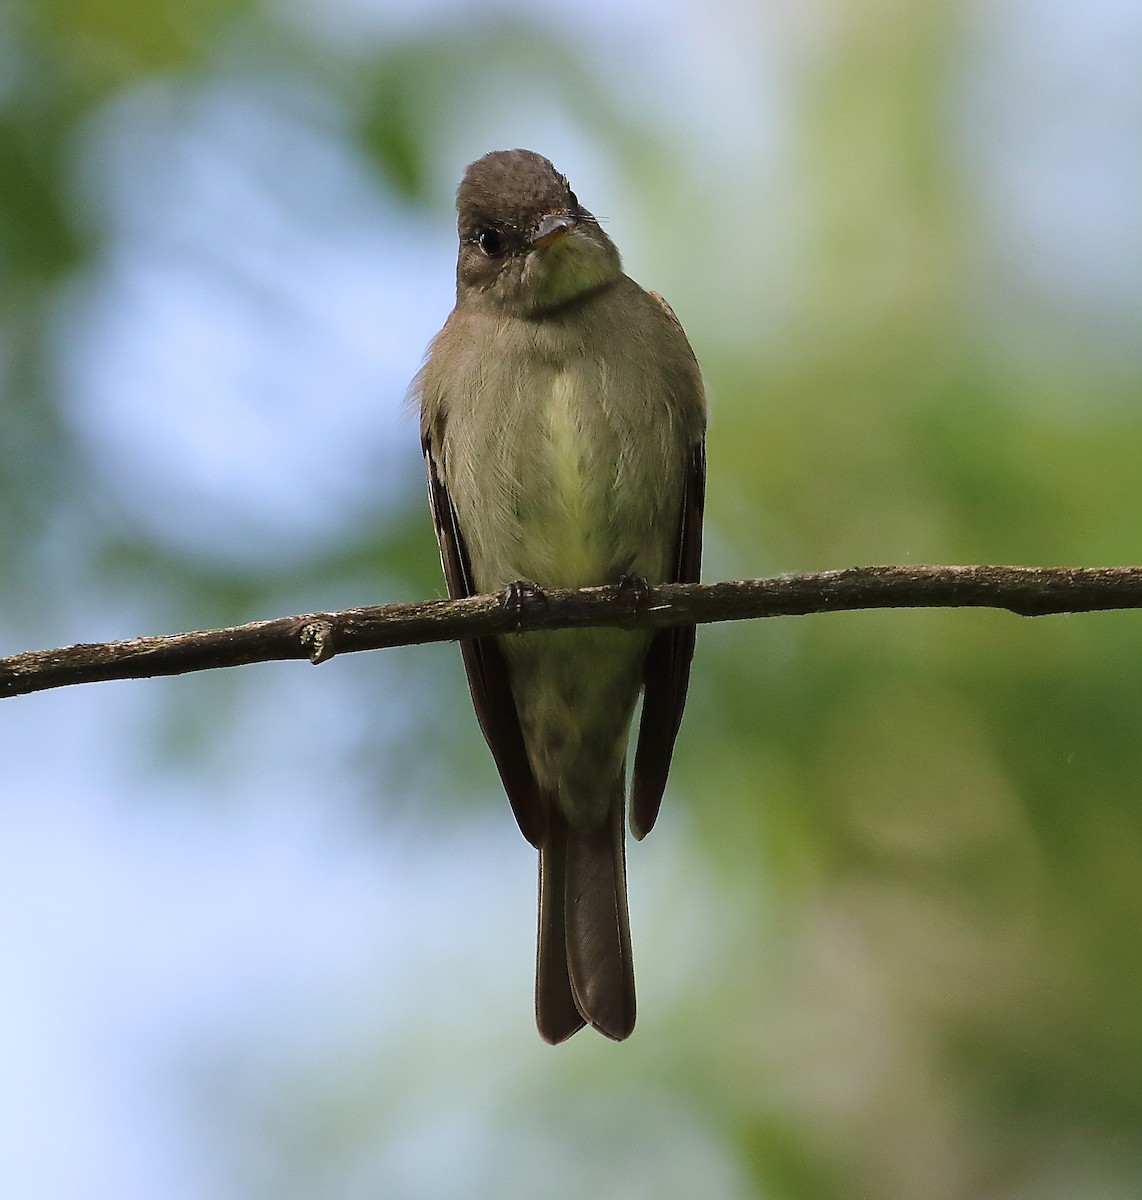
(269, 932)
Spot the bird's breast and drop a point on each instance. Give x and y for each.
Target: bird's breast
(571, 509)
(572, 471)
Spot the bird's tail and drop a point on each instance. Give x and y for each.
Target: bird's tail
(584, 969)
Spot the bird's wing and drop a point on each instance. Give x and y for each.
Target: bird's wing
(667, 670)
(484, 663)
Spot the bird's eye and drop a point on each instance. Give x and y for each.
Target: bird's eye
(492, 242)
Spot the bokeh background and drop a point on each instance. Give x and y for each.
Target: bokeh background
(269, 932)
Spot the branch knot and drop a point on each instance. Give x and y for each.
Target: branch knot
(317, 640)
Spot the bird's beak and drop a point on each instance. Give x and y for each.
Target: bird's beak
(552, 228)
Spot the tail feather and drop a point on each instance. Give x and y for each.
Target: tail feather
(585, 971)
(556, 1013)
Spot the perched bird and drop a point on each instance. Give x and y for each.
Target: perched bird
(563, 424)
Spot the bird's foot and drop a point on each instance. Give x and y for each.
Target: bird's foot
(521, 594)
(635, 590)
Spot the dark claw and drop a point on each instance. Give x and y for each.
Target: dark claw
(518, 595)
(636, 591)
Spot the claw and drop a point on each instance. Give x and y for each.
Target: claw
(519, 594)
(636, 591)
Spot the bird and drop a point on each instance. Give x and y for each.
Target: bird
(562, 421)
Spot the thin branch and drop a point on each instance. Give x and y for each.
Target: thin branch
(1027, 591)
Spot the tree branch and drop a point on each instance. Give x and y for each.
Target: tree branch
(1027, 591)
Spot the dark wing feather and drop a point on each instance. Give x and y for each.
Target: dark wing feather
(487, 672)
(667, 670)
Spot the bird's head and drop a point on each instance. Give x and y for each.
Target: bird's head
(527, 246)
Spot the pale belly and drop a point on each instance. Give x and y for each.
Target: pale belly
(575, 693)
(578, 495)
(578, 491)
